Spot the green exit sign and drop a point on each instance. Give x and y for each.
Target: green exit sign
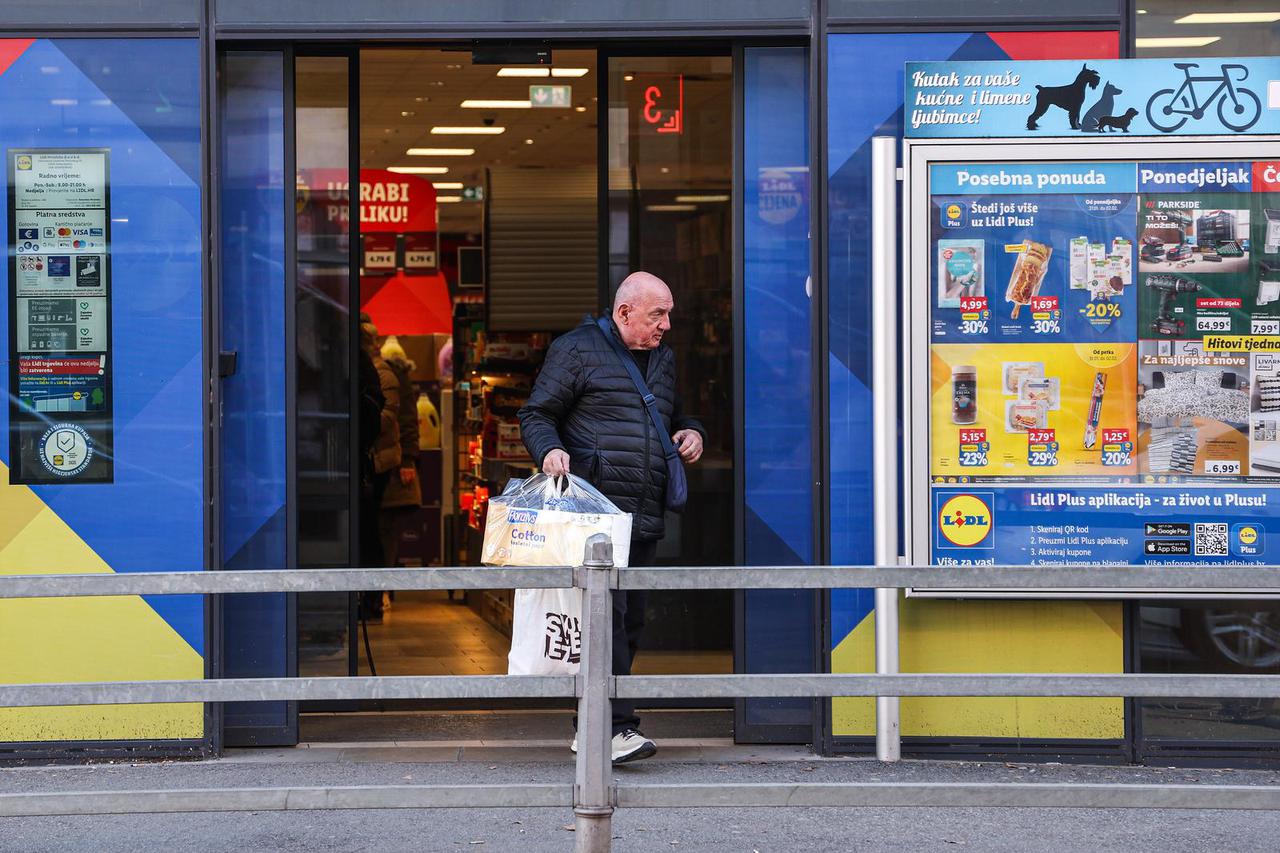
(543, 95)
(473, 193)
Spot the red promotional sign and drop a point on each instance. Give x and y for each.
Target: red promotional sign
(395, 203)
(1266, 176)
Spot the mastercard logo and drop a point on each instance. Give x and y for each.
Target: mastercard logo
(64, 232)
(965, 520)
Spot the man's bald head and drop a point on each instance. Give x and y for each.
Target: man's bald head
(642, 310)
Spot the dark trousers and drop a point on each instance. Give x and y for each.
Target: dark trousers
(628, 623)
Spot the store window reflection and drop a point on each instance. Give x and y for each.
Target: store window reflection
(1190, 28)
(1213, 637)
(670, 160)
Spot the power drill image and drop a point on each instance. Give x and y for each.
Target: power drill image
(1169, 286)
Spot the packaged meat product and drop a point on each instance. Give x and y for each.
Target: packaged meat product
(1016, 371)
(1020, 416)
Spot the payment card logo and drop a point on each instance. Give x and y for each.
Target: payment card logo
(952, 216)
(966, 521)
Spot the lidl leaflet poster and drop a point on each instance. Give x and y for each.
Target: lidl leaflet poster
(59, 342)
(1104, 361)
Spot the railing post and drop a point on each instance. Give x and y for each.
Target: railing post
(593, 791)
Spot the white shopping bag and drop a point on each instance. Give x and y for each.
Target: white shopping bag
(546, 632)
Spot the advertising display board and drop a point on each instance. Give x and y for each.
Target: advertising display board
(60, 424)
(1094, 327)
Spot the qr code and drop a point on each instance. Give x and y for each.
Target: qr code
(1211, 540)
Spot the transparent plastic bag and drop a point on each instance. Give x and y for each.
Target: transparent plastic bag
(546, 521)
(569, 493)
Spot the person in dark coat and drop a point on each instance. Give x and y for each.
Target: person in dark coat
(586, 417)
(384, 459)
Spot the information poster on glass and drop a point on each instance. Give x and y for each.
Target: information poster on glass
(1095, 333)
(59, 336)
(1093, 313)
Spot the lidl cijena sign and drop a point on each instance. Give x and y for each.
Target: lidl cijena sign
(1117, 97)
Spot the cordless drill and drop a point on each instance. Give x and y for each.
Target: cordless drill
(1169, 286)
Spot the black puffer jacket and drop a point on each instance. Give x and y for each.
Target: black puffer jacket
(585, 403)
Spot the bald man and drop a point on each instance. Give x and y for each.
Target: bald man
(586, 416)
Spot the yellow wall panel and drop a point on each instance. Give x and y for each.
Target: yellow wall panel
(940, 635)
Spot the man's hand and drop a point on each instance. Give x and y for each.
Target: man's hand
(688, 444)
(555, 463)
(407, 475)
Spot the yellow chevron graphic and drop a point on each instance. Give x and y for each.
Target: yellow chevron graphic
(81, 639)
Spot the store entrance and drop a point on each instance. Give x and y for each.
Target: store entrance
(502, 197)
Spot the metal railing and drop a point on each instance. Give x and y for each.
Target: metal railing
(595, 795)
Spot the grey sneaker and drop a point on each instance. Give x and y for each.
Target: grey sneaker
(628, 745)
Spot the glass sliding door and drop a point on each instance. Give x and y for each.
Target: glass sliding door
(256, 629)
(670, 204)
(324, 355)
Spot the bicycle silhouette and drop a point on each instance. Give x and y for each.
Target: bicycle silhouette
(1238, 107)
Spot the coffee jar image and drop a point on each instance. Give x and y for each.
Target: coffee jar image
(964, 394)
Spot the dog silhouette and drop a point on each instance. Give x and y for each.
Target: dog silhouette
(1120, 122)
(1069, 97)
(1104, 107)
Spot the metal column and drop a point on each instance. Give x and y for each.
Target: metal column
(884, 393)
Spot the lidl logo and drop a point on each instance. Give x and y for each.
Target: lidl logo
(952, 216)
(966, 521)
(1248, 540)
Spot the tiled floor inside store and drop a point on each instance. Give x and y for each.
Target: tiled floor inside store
(424, 633)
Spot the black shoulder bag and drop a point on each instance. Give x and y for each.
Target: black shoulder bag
(677, 483)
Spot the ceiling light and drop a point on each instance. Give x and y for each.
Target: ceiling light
(579, 109)
(453, 67)
(1176, 41)
(528, 142)
(523, 72)
(1142, 11)
(483, 130)
(484, 104)
(690, 199)
(569, 72)
(1229, 18)
(64, 102)
(419, 170)
(670, 208)
(420, 99)
(440, 152)
(448, 199)
(628, 77)
(447, 185)
(407, 113)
